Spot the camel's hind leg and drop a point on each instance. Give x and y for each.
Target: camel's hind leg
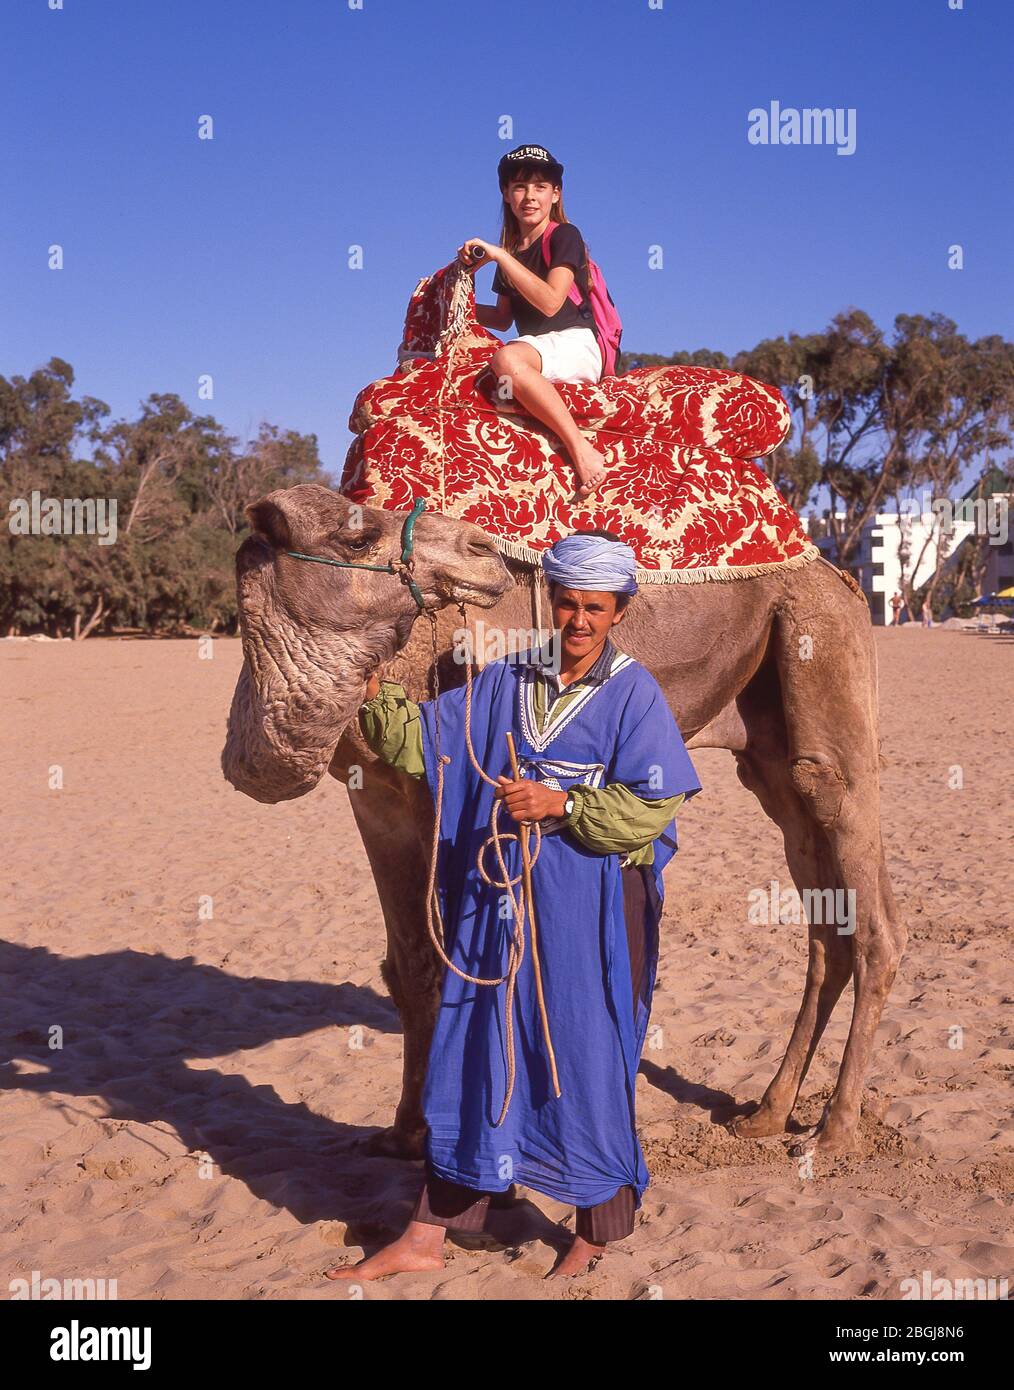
(823, 646)
(829, 961)
(763, 768)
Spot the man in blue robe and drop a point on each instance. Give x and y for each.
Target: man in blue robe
(602, 767)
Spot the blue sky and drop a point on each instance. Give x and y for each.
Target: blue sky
(381, 127)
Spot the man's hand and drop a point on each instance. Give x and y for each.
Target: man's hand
(372, 687)
(528, 800)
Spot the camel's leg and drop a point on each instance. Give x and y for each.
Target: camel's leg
(753, 727)
(877, 947)
(829, 961)
(394, 813)
(827, 670)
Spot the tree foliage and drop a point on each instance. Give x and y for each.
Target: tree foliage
(873, 421)
(180, 484)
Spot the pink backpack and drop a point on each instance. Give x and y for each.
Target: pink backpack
(608, 328)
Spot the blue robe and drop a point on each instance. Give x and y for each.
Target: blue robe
(582, 1146)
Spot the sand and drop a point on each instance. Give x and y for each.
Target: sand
(211, 969)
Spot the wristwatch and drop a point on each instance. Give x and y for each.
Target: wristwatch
(568, 805)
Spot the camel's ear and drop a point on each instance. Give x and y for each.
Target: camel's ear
(295, 518)
(268, 518)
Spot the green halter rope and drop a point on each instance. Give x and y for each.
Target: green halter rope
(402, 568)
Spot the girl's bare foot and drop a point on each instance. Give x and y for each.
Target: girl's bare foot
(591, 471)
(581, 1257)
(420, 1248)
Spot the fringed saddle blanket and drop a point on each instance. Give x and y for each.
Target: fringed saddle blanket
(677, 442)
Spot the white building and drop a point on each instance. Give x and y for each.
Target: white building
(893, 544)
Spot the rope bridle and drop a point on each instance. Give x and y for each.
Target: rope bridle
(404, 567)
(521, 904)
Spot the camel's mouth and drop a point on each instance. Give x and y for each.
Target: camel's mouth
(475, 591)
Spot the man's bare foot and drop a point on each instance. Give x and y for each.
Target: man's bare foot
(581, 1257)
(591, 471)
(420, 1248)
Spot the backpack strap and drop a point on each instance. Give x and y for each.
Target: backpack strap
(574, 293)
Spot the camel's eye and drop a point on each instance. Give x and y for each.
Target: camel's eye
(358, 542)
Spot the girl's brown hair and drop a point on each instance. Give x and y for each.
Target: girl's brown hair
(510, 232)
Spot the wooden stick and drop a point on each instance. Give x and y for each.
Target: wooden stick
(526, 864)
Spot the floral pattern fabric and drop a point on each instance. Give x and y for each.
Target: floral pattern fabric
(678, 443)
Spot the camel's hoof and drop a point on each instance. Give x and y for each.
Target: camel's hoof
(823, 1140)
(762, 1124)
(397, 1143)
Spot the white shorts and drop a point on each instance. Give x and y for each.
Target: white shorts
(569, 354)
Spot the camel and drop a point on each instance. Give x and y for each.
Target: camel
(779, 668)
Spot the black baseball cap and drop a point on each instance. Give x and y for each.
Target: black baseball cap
(529, 154)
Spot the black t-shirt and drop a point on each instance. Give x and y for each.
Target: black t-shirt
(566, 247)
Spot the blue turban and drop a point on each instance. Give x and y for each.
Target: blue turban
(591, 562)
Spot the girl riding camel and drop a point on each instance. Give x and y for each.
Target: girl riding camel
(557, 341)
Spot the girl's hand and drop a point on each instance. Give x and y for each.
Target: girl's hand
(491, 253)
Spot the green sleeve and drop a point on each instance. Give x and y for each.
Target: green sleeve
(612, 820)
(391, 728)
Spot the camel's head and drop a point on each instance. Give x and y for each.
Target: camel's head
(314, 633)
(454, 562)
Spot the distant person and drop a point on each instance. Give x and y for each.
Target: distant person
(896, 603)
(927, 613)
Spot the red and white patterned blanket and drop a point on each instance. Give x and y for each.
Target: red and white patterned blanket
(677, 441)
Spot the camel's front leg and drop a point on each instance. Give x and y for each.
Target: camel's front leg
(394, 813)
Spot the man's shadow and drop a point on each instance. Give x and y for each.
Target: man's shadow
(720, 1105)
(130, 1022)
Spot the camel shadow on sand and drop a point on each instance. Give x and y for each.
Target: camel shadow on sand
(123, 1042)
(132, 1022)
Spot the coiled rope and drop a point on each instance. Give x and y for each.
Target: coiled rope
(522, 904)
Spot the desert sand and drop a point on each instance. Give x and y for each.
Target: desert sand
(228, 1043)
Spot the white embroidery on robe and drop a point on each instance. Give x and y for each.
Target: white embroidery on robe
(560, 776)
(557, 722)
